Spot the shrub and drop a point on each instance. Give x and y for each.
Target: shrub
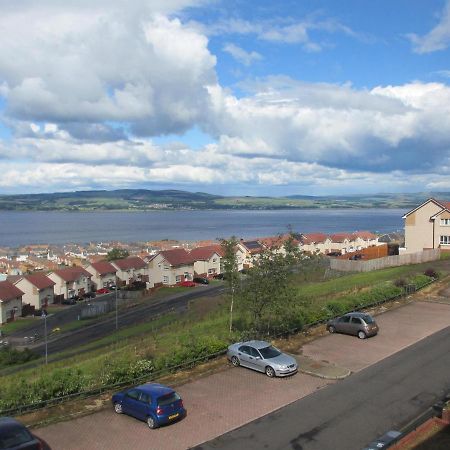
(431, 273)
(401, 282)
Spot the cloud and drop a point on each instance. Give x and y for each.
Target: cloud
(380, 130)
(74, 65)
(436, 39)
(240, 55)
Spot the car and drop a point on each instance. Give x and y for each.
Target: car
(102, 291)
(262, 357)
(187, 283)
(153, 403)
(356, 323)
(15, 436)
(68, 301)
(201, 280)
(89, 295)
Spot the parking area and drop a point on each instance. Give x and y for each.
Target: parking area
(216, 404)
(226, 400)
(399, 328)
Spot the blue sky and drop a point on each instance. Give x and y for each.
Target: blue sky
(233, 97)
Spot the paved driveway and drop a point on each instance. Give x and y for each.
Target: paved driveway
(399, 328)
(216, 404)
(226, 400)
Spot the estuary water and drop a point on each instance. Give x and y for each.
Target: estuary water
(20, 228)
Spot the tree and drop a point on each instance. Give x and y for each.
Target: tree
(266, 295)
(230, 269)
(117, 253)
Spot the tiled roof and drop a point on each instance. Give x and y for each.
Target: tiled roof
(311, 238)
(132, 262)
(8, 291)
(40, 280)
(365, 235)
(204, 253)
(177, 257)
(277, 241)
(103, 267)
(72, 273)
(341, 237)
(446, 205)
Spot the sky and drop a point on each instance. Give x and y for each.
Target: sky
(229, 97)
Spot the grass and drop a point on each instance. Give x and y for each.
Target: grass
(17, 325)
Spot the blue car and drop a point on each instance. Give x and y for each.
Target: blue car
(155, 403)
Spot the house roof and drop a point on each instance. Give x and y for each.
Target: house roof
(177, 257)
(132, 262)
(103, 267)
(204, 253)
(40, 280)
(252, 246)
(277, 241)
(442, 204)
(312, 238)
(364, 235)
(72, 273)
(341, 237)
(8, 291)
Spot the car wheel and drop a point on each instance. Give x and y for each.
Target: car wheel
(331, 329)
(361, 335)
(118, 408)
(270, 372)
(151, 422)
(235, 361)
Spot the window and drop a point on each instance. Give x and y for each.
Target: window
(166, 267)
(134, 394)
(445, 222)
(166, 280)
(145, 398)
(214, 260)
(345, 319)
(356, 320)
(245, 349)
(178, 278)
(445, 240)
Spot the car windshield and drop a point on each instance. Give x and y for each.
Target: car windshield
(269, 352)
(368, 319)
(13, 437)
(168, 399)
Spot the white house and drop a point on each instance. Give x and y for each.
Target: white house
(37, 290)
(10, 301)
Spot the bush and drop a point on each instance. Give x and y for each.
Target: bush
(431, 273)
(401, 282)
(10, 356)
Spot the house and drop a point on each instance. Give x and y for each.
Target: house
(70, 282)
(131, 269)
(342, 243)
(37, 290)
(103, 274)
(176, 266)
(316, 243)
(10, 301)
(206, 260)
(364, 239)
(428, 226)
(247, 252)
(278, 243)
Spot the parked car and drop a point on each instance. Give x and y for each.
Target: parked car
(102, 291)
(356, 257)
(187, 283)
(89, 295)
(263, 357)
(152, 402)
(201, 280)
(359, 324)
(68, 301)
(15, 436)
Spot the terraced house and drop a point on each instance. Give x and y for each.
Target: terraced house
(70, 282)
(10, 301)
(428, 226)
(37, 288)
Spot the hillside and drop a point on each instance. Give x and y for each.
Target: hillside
(143, 199)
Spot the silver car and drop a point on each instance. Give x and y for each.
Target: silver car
(359, 324)
(263, 357)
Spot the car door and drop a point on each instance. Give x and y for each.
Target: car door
(257, 360)
(343, 324)
(355, 325)
(131, 403)
(245, 356)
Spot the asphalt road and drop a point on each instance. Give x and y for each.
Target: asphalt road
(140, 313)
(350, 414)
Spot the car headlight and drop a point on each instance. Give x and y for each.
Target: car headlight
(283, 367)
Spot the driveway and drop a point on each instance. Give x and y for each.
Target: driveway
(399, 328)
(224, 401)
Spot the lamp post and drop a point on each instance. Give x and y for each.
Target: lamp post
(117, 315)
(44, 316)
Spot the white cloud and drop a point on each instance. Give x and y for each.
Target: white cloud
(241, 55)
(109, 63)
(436, 39)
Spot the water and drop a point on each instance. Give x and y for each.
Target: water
(19, 228)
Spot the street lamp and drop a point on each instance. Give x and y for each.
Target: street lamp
(44, 316)
(117, 315)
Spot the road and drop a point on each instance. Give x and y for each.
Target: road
(85, 335)
(349, 414)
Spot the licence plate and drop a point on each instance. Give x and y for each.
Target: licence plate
(173, 416)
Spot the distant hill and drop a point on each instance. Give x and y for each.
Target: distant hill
(143, 199)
